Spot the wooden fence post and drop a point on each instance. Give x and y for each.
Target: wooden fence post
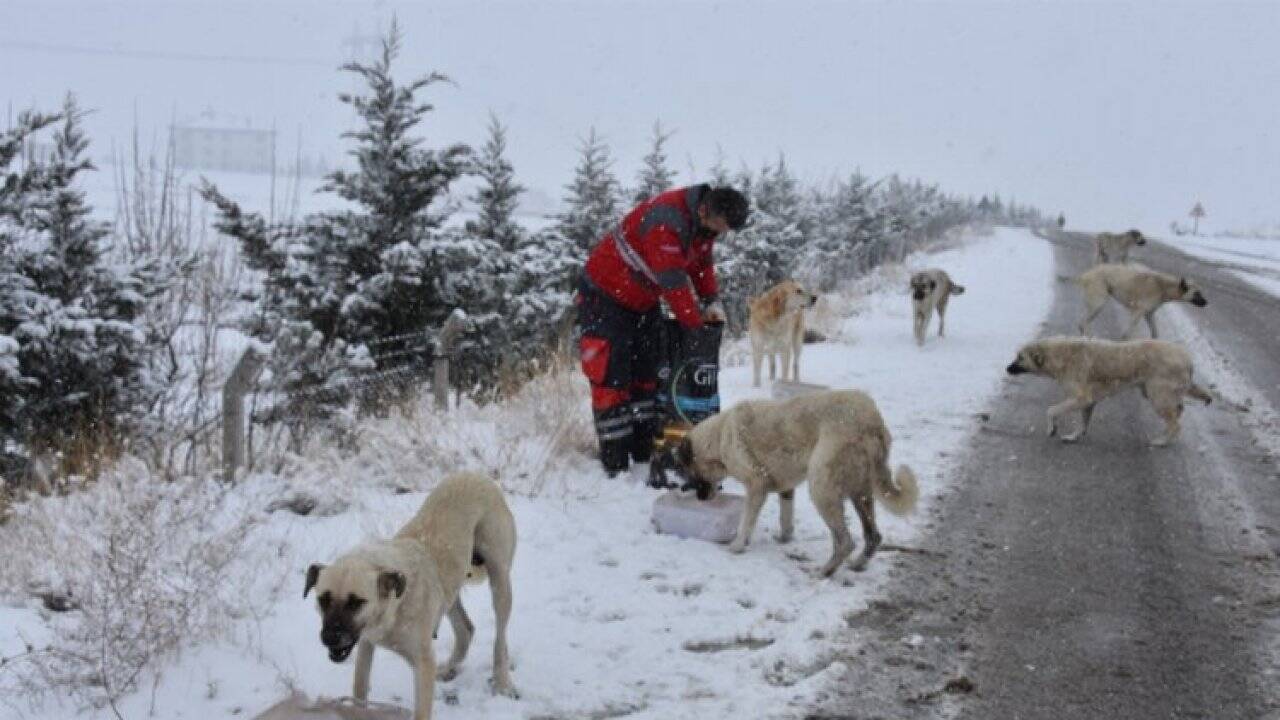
(233, 431)
(564, 333)
(444, 348)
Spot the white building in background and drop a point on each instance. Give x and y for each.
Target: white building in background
(211, 141)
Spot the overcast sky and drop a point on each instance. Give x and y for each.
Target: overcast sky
(1119, 114)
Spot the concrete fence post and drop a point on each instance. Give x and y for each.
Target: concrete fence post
(444, 348)
(233, 430)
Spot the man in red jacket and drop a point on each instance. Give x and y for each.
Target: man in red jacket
(660, 250)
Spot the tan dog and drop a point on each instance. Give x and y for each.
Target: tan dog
(836, 439)
(1114, 247)
(777, 328)
(1140, 290)
(393, 593)
(930, 290)
(1091, 370)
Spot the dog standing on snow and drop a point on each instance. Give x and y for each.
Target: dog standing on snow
(836, 439)
(1092, 370)
(776, 328)
(930, 290)
(393, 593)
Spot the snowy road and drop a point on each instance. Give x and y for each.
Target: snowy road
(1105, 579)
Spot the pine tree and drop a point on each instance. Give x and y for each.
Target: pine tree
(72, 345)
(592, 199)
(846, 234)
(654, 176)
(719, 173)
(341, 280)
(778, 219)
(499, 194)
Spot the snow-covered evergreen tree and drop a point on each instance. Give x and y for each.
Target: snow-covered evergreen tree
(847, 232)
(593, 196)
(499, 193)
(764, 252)
(541, 290)
(719, 175)
(654, 176)
(72, 347)
(780, 216)
(751, 260)
(340, 281)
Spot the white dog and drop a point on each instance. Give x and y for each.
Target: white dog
(836, 439)
(393, 593)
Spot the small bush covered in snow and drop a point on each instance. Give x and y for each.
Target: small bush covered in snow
(143, 569)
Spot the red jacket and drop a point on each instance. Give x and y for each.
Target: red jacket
(664, 256)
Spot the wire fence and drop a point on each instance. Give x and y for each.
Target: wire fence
(406, 358)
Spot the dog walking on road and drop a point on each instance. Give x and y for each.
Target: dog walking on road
(1092, 370)
(1140, 290)
(1114, 247)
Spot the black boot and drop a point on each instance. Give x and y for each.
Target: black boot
(646, 427)
(614, 430)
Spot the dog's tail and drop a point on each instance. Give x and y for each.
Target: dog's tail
(1199, 393)
(898, 493)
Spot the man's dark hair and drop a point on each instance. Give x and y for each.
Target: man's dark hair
(729, 204)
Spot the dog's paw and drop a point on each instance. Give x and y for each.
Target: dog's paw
(737, 548)
(447, 673)
(783, 538)
(1073, 437)
(506, 690)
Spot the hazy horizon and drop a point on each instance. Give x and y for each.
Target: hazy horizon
(1118, 114)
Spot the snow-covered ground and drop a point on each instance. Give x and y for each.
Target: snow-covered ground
(1256, 260)
(610, 618)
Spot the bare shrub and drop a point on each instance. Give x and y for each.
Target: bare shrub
(143, 568)
(525, 442)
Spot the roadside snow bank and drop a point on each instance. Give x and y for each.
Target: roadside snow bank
(1255, 260)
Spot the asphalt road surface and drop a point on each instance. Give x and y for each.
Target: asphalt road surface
(1104, 579)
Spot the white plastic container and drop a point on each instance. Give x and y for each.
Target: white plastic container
(684, 515)
(299, 707)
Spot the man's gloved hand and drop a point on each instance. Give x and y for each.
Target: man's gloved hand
(714, 312)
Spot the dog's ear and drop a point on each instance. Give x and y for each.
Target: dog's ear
(1135, 234)
(1036, 357)
(1182, 285)
(390, 582)
(313, 574)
